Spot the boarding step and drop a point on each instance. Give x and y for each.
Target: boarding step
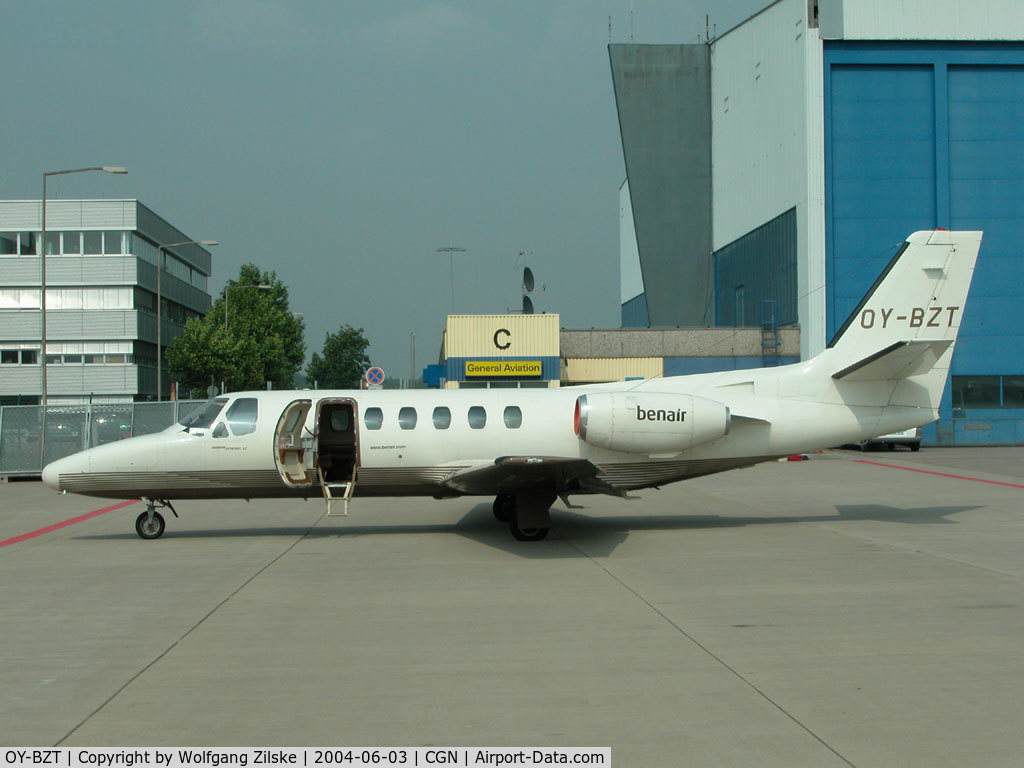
(335, 492)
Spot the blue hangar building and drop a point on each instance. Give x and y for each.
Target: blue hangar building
(773, 171)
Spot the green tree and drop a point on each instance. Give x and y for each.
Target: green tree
(344, 360)
(262, 342)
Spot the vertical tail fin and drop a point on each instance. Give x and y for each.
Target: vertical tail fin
(917, 304)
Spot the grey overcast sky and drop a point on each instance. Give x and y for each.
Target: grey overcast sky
(342, 143)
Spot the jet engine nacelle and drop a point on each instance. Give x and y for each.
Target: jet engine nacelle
(649, 422)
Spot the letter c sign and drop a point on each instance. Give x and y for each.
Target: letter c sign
(497, 341)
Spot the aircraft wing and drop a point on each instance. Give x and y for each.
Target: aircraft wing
(511, 473)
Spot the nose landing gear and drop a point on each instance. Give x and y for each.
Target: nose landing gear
(150, 524)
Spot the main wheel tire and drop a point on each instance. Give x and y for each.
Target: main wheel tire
(147, 529)
(504, 507)
(526, 534)
(915, 447)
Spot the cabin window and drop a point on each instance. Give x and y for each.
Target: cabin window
(373, 418)
(407, 417)
(221, 430)
(203, 416)
(477, 417)
(242, 415)
(341, 420)
(513, 416)
(442, 417)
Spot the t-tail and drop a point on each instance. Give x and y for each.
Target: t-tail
(899, 340)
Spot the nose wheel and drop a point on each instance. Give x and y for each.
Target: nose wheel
(150, 524)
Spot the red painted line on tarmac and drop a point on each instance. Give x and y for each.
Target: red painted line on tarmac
(939, 474)
(71, 521)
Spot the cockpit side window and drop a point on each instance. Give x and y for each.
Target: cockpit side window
(203, 416)
(241, 416)
(221, 430)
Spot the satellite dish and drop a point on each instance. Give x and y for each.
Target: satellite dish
(527, 306)
(528, 279)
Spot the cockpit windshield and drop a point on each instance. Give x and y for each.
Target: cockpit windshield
(203, 416)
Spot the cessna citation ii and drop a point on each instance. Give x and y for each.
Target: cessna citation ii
(884, 372)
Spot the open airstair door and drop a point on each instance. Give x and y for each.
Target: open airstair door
(289, 451)
(337, 451)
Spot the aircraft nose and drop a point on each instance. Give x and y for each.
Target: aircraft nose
(53, 470)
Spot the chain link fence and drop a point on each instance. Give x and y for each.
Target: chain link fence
(31, 438)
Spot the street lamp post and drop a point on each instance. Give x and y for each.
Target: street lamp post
(227, 292)
(42, 263)
(160, 250)
(451, 250)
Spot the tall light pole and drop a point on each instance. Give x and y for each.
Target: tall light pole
(227, 292)
(160, 250)
(42, 262)
(451, 250)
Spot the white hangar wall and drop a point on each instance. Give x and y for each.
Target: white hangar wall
(767, 145)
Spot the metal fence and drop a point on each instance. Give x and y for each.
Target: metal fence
(32, 436)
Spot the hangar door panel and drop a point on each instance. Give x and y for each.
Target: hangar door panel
(986, 191)
(880, 136)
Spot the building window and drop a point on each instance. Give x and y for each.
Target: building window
(8, 244)
(1013, 391)
(442, 417)
(373, 418)
(477, 417)
(72, 243)
(407, 418)
(52, 243)
(27, 244)
(92, 243)
(976, 392)
(513, 416)
(112, 243)
(19, 298)
(89, 298)
(16, 356)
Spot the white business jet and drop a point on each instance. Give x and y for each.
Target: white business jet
(884, 372)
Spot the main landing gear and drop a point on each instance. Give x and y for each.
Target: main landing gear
(150, 524)
(526, 513)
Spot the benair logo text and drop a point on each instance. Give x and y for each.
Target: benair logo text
(659, 415)
(919, 317)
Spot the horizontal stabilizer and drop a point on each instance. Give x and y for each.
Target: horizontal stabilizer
(897, 361)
